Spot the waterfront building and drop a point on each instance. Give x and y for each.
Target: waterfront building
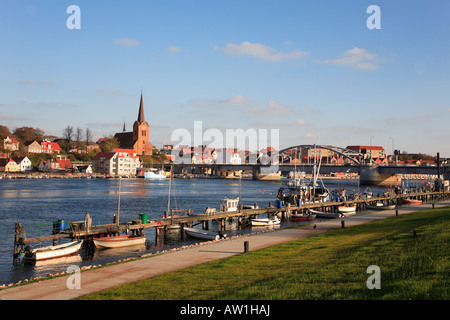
(119, 162)
(137, 140)
(61, 163)
(23, 163)
(8, 165)
(10, 144)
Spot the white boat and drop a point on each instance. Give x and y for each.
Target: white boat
(51, 252)
(347, 208)
(153, 174)
(119, 241)
(229, 204)
(381, 206)
(204, 234)
(264, 222)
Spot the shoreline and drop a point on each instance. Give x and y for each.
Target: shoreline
(148, 265)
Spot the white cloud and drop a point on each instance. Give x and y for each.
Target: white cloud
(358, 58)
(260, 51)
(127, 42)
(173, 49)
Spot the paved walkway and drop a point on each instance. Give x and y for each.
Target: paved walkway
(111, 276)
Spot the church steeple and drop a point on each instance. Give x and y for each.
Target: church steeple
(141, 117)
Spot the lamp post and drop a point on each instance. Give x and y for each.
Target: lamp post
(392, 145)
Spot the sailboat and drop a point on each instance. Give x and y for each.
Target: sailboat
(298, 193)
(120, 240)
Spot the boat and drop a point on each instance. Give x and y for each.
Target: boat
(347, 208)
(153, 174)
(50, 252)
(303, 216)
(204, 234)
(299, 192)
(326, 215)
(381, 206)
(119, 241)
(411, 201)
(229, 204)
(264, 222)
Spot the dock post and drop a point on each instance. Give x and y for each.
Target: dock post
(18, 241)
(396, 212)
(342, 223)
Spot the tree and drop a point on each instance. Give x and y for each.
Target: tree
(89, 137)
(109, 144)
(78, 136)
(29, 134)
(68, 134)
(4, 132)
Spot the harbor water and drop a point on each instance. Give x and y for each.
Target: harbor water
(36, 202)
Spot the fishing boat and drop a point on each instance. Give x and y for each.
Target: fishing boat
(51, 252)
(300, 192)
(204, 234)
(154, 174)
(411, 201)
(262, 222)
(229, 204)
(303, 216)
(119, 241)
(347, 208)
(381, 206)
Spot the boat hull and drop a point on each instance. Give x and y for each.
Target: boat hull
(347, 209)
(264, 222)
(119, 241)
(410, 201)
(389, 207)
(52, 252)
(202, 234)
(303, 217)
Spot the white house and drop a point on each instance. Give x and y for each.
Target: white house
(119, 162)
(23, 163)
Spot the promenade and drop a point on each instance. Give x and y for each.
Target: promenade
(122, 273)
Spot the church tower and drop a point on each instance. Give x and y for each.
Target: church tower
(139, 139)
(141, 133)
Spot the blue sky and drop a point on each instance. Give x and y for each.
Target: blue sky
(311, 69)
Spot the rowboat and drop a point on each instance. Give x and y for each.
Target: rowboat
(303, 217)
(119, 241)
(326, 215)
(264, 222)
(204, 234)
(347, 209)
(381, 206)
(51, 252)
(411, 201)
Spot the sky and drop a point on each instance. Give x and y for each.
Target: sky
(311, 70)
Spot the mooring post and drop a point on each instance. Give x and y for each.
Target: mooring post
(17, 239)
(396, 212)
(342, 223)
(246, 247)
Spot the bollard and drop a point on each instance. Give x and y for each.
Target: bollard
(396, 212)
(343, 224)
(432, 205)
(245, 246)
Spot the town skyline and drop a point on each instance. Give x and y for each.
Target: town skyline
(315, 71)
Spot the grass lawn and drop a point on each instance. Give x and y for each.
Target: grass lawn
(332, 265)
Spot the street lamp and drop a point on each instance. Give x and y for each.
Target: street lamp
(392, 145)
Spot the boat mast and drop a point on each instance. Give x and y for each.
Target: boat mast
(170, 185)
(118, 202)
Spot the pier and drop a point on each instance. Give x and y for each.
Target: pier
(84, 230)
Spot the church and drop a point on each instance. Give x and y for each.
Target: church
(139, 139)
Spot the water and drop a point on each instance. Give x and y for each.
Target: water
(42, 201)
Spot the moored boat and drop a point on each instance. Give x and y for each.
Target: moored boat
(303, 216)
(381, 206)
(261, 222)
(50, 252)
(347, 208)
(326, 215)
(411, 201)
(154, 175)
(204, 234)
(119, 241)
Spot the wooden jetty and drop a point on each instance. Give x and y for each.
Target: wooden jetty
(84, 230)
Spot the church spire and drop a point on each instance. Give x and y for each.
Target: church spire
(124, 129)
(141, 118)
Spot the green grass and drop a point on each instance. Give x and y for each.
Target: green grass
(328, 266)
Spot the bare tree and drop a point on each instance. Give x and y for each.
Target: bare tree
(89, 138)
(68, 134)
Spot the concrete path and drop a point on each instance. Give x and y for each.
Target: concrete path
(112, 276)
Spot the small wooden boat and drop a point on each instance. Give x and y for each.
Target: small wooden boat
(347, 208)
(264, 222)
(326, 215)
(204, 234)
(411, 201)
(381, 206)
(119, 241)
(51, 252)
(303, 217)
